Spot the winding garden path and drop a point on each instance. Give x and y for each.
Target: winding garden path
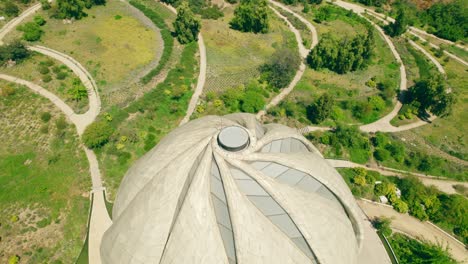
(201, 76)
(100, 220)
(407, 224)
(303, 52)
(17, 20)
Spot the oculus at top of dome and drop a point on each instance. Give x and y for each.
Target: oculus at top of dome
(233, 138)
(187, 200)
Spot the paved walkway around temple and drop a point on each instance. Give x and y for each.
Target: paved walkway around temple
(421, 230)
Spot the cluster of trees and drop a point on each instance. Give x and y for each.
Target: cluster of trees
(280, 70)
(448, 20)
(251, 16)
(410, 250)
(385, 148)
(74, 8)
(249, 98)
(342, 56)
(348, 138)
(15, 51)
(32, 31)
(186, 25)
(399, 26)
(431, 95)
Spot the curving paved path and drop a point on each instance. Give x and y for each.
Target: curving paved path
(422, 230)
(200, 81)
(100, 220)
(303, 52)
(15, 21)
(309, 25)
(83, 120)
(201, 76)
(443, 184)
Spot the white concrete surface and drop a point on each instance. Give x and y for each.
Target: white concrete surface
(164, 211)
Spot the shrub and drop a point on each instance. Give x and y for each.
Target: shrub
(44, 129)
(46, 78)
(45, 4)
(382, 224)
(43, 69)
(211, 12)
(186, 25)
(281, 68)
(7, 91)
(39, 20)
(61, 75)
(45, 116)
(10, 9)
(251, 16)
(400, 206)
(61, 123)
(320, 109)
(97, 134)
(252, 102)
(31, 31)
(14, 259)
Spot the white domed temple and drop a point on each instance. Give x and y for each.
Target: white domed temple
(231, 190)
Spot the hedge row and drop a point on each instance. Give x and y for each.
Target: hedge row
(166, 36)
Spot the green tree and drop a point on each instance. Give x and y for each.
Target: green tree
(10, 9)
(70, 9)
(400, 206)
(78, 91)
(251, 16)
(321, 109)
(252, 102)
(186, 25)
(97, 134)
(281, 68)
(31, 31)
(382, 224)
(39, 20)
(15, 51)
(432, 95)
(381, 154)
(399, 26)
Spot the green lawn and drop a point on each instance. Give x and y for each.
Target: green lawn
(29, 70)
(233, 57)
(44, 182)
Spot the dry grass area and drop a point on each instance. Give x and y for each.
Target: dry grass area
(44, 181)
(233, 57)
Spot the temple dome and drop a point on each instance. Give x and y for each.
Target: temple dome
(231, 190)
